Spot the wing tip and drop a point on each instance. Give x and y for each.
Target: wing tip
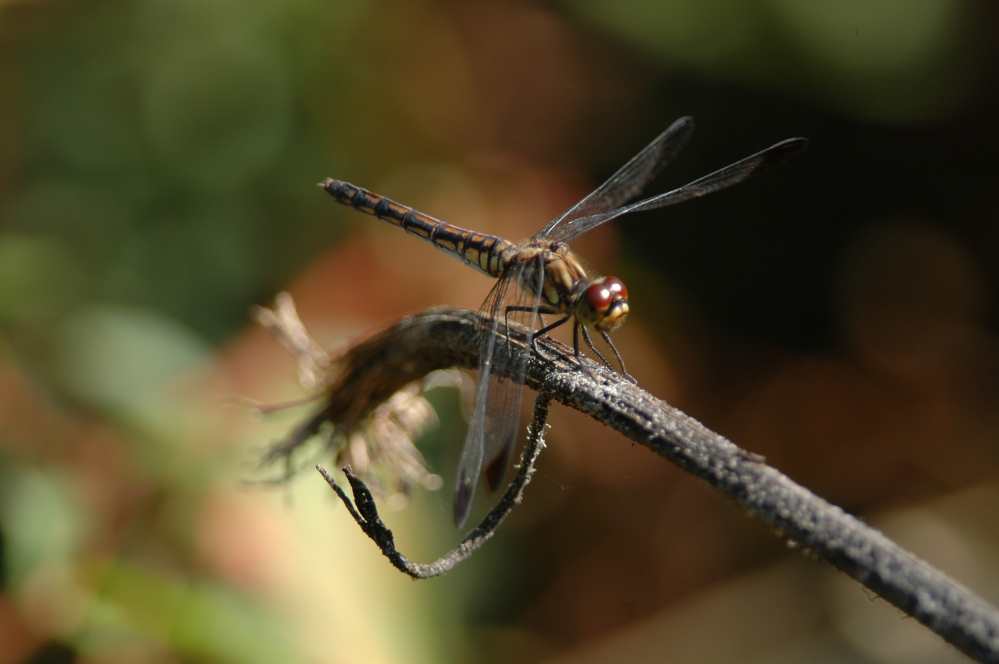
(778, 153)
(790, 147)
(682, 126)
(687, 120)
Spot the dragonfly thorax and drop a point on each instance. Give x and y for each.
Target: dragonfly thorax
(600, 302)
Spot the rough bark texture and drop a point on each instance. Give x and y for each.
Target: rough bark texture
(373, 369)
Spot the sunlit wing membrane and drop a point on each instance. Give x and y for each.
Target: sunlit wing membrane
(473, 451)
(506, 394)
(629, 180)
(492, 431)
(721, 179)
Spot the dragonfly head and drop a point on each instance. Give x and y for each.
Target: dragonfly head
(604, 304)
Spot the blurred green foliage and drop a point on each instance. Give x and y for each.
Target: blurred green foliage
(157, 163)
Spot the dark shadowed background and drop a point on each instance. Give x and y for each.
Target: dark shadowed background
(158, 163)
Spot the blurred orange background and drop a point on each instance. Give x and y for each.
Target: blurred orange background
(158, 163)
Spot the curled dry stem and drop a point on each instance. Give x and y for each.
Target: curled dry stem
(372, 370)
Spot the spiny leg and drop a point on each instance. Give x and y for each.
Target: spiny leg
(534, 335)
(575, 349)
(517, 307)
(589, 342)
(617, 354)
(543, 331)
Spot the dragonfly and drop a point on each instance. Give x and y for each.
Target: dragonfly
(541, 277)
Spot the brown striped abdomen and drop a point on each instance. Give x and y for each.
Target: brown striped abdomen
(486, 253)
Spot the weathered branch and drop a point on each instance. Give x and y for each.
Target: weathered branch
(365, 513)
(375, 368)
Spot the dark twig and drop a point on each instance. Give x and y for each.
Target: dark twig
(365, 513)
(376, 367)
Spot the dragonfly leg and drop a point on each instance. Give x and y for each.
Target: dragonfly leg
(617, 354)
(506, 321)
(589, 342)
(545, 330)
(534, 335)
(517, 307)
(575, 349)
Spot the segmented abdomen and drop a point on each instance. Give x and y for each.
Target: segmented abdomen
(486, 253)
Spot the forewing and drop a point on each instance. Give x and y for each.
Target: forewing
(629, 181)
(493, 428)
(721, 179)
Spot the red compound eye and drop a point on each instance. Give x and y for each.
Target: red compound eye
(601, 294)
(616, 287)
(598, 296)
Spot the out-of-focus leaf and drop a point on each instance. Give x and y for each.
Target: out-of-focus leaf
(190, 616)
(43, 524)
(125, 361)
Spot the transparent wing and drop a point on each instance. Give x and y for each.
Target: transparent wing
(492, 432)
(506, 394)
(721, 179)
(630, 179)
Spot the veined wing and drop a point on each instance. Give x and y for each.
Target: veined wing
(721, 179)
(630, 179)
(493, 429)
